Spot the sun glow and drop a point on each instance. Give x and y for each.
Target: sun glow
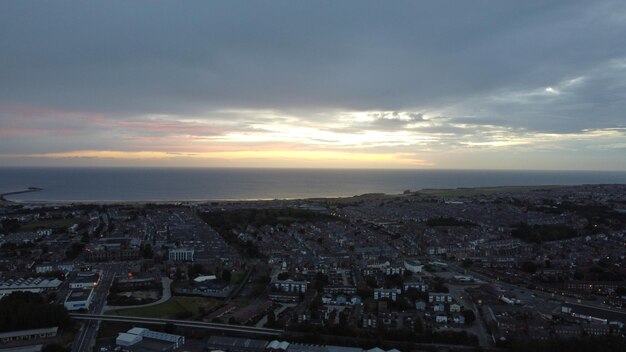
(316, 158)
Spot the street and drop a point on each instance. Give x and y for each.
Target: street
(85, 337)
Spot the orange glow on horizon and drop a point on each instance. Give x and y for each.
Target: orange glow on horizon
(296, 158)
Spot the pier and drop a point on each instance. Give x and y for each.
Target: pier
(27, 190)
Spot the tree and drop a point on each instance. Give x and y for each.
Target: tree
(529, 267)
(467, 263)
(418, 325)
(469, 316)
(320, 281)
(394, 280)
(194, 270)
(271, 320)
(27, 310)
(169, 328)
(371, 281)
(54, 348)
(146, 251)
(226, 275)
(179, 274)
(440, 286)
(283, 276)
(74, 250)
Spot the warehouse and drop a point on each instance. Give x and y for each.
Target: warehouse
(78, 299)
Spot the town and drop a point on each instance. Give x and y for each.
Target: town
(451, 269)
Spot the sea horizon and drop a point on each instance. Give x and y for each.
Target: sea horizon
(170, 184)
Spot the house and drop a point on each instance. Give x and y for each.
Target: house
(277, 346)
(455, 308)
(418, 285)
(439, 307)
(327, 299)
(458, 319)
(565, 331)
(356, 300)
(439, 297)
(441, 318)
(596, 329)
(290, 286)
(420, 305)
(370, 321)
(386, 293)
(394, 270)
(341, 300)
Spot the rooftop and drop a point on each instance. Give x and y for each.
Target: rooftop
(78, 295)
(10, 334)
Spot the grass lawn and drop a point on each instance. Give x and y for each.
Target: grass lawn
(52, 223)
(172, 308)
(238, 276)
(457, 192)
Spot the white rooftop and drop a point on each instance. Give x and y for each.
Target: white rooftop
(205, 278)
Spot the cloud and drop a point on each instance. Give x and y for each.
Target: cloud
(408, 77)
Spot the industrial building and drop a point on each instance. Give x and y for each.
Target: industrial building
(413, 266)
(79, 299)
(32, 334)
(35, 285)
(137, 339)
(85, 280)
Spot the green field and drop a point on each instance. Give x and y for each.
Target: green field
(176, 306)
(458, 192)
(47, 224)
(238, 276)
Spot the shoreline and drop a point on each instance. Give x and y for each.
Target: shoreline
(436, 192)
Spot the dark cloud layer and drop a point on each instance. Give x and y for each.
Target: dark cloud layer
(546, 66)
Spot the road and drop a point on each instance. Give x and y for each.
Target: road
(83, 341)
(478, 328)
(527, 295)
(94, 318)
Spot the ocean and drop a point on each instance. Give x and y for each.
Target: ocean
(187, 184)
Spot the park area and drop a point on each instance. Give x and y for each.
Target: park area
(177, 307)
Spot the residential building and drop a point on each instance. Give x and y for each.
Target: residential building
(386, 293)
(181, 255)
(439, 297)
(290, 285)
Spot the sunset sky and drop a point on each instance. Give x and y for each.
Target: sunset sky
(350, 84)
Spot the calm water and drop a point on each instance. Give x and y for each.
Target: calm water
(110, 184)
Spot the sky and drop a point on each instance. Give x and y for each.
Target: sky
(333, 84)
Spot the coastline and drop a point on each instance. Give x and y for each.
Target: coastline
(436, 192)
(131, 186)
